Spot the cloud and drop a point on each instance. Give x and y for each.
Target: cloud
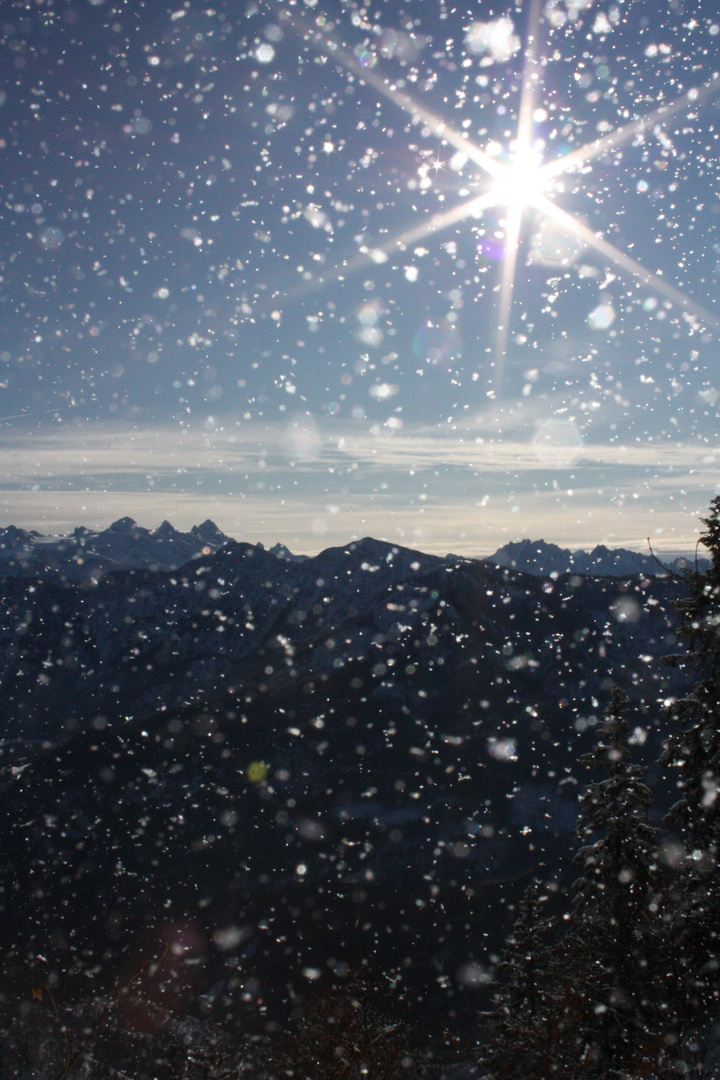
(316, 482)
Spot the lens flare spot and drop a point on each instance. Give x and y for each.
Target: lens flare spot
(557, 443)
(51, 238)
(496, 40)
(301, 439)
(256, 772)
(502, 749)
(437, 344)
(626, 610)
(383, 391)
(553, 245)
(602, 317)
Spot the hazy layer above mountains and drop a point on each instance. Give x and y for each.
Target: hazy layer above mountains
(85, 554)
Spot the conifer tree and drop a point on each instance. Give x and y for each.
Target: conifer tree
(614, 931)
(693, 753)
(587, 1005)
(517, 1032)
(616, 862)
(694, 749)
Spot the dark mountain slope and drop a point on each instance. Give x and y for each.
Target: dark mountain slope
(365, 754)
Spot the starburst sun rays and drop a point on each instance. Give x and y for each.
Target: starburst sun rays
(522, 184)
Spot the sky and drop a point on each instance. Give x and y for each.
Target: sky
(444, 274)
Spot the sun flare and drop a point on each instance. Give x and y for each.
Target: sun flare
(522, 183)
(516, 185)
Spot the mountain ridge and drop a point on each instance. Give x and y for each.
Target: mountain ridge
(87, 554)
(541, 558)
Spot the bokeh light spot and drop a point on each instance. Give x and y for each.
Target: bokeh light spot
(557, 443)
(256, 772)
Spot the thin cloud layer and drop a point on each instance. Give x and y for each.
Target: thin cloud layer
(429, 487)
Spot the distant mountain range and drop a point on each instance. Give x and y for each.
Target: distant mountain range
(543, 559)
(362, 754)
(85, 554)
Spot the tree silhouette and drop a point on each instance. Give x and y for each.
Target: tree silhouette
(523, 1014)
(694, 748)
(693, 754)
(587, 1005)
(348, 1031)
(615, 921)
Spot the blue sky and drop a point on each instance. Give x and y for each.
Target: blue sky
(441, 274)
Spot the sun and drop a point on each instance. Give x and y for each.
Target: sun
(523, 182)
(519, 183)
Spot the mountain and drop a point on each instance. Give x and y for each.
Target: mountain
(86, 556)
(543, 559)
(281, 552)
(295, 764)
(134, 641)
